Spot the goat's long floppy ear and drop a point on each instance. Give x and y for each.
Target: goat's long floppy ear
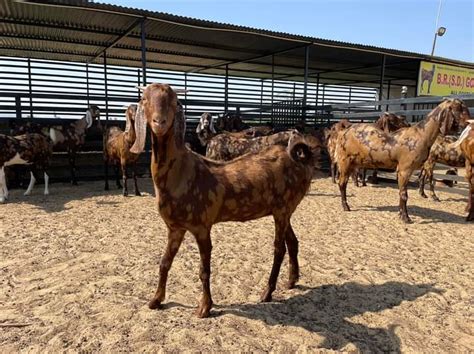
(211, 125)
(88, 118)
(446, 120)
(464, 135)
(140, 130)
(199, 127)
(179, 125)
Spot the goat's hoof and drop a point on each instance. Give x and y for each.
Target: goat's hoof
(106, 188)
(203, 311)
(423, 195)
(26, 193)
(155, 304)
(346, 207)
(3, 200)
(470, 217)
(436, 199)
(291, 284)
(138, 194)
(406, 219)
(266, 296)
(125, 194)
(74, 183)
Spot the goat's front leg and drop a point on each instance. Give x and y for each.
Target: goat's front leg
(203, 239)
(72, 165)
(137, 192)
(3, 186)
(175, 238)
(364, 177)
(343, 179)
(106, 173)
(470, 198)
(278, 255)
(31, 185)
(123, 165)
(403, 178)
(117, 176)
(292, 245)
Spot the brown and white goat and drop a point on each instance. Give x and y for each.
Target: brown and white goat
(466, 142)
(194, 193)
(331, 141)
(34, 150)
(365, 146)
(117, 144)
(71, 136)
(446, 151)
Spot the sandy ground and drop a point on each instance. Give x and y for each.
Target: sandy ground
(79, 266)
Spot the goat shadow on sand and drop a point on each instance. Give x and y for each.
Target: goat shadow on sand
(428, 215)
(327, 309)
(60, 194)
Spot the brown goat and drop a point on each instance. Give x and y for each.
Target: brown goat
(331, 141)
(466, 142)
(446, 151)
(34, 150)
(117, 145)
(225, 147)
(366, 146)
(71, 136)
(389, 123)
(194, 193)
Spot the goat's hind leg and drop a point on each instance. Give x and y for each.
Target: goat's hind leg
(175, 238)
(281, 226)
(344, 173)
(421, 183)
(292, 245)
(403, 178)
(203, 239)
(124, 177)
(3, 186)
(470, 200)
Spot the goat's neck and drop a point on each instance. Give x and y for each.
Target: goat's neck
(165, 152)
(430, 129)
(80, 125)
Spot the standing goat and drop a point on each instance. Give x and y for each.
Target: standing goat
(446, 151)
(194, 193)
(466, 142)
(70, 137)
(366, 146)
(117, 145)
(34, 150)
(331, 141)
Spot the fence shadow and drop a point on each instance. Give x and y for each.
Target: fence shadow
(327, 310)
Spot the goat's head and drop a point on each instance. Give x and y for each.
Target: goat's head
(206, 124)
(161, 110)
(389, 122)
(92, 113)
(452, 114)
(130, 114)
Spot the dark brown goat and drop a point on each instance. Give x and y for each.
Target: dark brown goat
(34, 150)
(466, 142)
(446, 151)
(366, 146)
(194, 193)
(225, 147)
(71, 136)
(117, 144)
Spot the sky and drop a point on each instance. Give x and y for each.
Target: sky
(398, 24)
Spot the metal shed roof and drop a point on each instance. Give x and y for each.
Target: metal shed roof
(79, 30)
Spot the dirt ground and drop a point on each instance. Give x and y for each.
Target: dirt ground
(78, 267)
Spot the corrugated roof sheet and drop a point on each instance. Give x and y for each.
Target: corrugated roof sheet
(79, 30)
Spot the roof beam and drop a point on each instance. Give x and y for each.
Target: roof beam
(230, 62)
(118, 39)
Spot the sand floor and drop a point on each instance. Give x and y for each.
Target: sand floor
(78, 267)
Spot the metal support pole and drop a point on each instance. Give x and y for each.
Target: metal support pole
(382, 74)
(139, 92)
(388, 92)
(273, 79)
(186, 93)
(143, 44)
(317, 96)
(87, 84)
(30, 88)
(261, 100)
(226, 89)
(106, 91)
(305, 91)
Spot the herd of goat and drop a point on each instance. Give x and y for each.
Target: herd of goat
(248, 172)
